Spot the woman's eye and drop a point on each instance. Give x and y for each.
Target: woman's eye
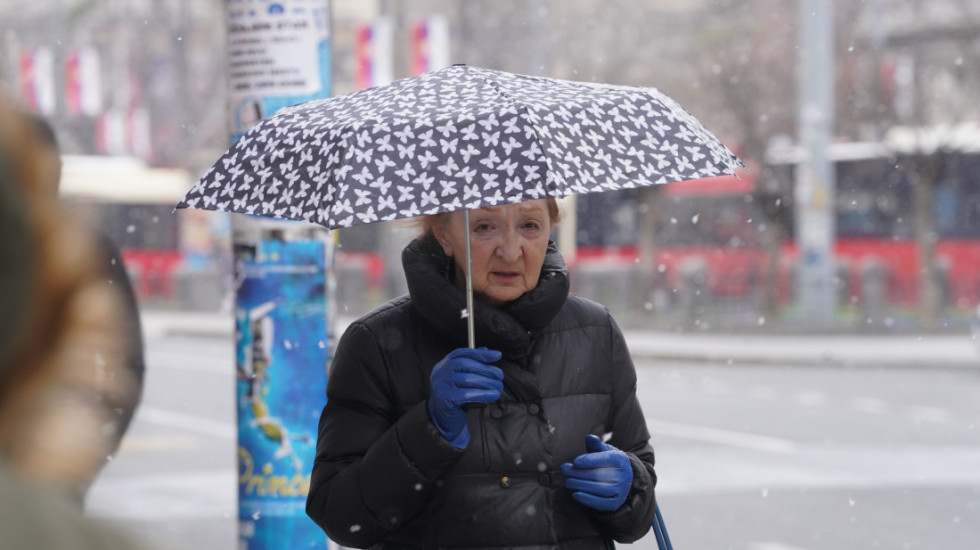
(532, 225)
(481, 227)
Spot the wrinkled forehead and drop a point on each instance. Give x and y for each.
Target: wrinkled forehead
(538, 206)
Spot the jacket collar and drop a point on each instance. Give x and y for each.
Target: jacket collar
(428, 272)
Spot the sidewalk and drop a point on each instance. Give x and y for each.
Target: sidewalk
(900, 351)
(905, 351)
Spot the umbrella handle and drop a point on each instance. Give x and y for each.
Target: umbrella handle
(470, 332)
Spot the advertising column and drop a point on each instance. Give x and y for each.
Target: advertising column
(278, 55)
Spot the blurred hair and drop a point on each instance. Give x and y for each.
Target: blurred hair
(63, 325)
(425, 224)
(44, 131)
(48, 151)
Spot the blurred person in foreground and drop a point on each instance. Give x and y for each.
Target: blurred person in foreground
(536, 440)
(109, 262)
(60, 322)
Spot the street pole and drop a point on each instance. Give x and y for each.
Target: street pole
(278, 54)
(814, 193)
(923, 185)
(567, 231)
(539, 30)
(394, 12)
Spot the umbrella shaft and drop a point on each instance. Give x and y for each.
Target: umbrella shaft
(469, 281)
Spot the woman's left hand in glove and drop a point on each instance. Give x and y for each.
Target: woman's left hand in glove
(600, 478)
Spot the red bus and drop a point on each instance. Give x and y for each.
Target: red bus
(711, 221)
(876, 221)
(719, 222)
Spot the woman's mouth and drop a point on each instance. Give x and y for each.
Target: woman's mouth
(506, 275)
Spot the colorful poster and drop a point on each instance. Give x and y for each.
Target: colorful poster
(281, 359)
(278, 55)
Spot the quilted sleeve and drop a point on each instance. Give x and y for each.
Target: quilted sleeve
(629, 433)
(373, 469)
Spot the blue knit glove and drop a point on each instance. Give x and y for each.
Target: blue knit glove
(600, 478)
(464, 376)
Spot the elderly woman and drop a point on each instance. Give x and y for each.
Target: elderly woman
(536, 439)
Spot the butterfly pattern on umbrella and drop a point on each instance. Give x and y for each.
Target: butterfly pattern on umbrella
(460, 137)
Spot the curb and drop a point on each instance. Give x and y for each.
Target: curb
(909, 352)
(156, 326)
(776, 361)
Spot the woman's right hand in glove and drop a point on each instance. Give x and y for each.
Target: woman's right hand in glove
(462, 377)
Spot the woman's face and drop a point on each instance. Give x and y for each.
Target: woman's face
(508, 245)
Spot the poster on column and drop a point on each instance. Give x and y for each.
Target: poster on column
(278, 55)
(281, 357)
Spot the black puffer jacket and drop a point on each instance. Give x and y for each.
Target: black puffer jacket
(384, 476)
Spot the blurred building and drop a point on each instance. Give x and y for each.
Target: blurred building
(120, 77)
(145, 79)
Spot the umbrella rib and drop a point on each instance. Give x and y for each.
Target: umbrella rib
(523, 108)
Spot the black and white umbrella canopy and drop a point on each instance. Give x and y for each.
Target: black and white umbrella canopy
(460, 137)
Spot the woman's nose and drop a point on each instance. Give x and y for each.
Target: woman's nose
(509, 248)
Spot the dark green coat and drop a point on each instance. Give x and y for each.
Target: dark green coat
(384, 476)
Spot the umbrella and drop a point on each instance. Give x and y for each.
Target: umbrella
(458, 138)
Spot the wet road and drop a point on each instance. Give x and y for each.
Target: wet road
(749, 458)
